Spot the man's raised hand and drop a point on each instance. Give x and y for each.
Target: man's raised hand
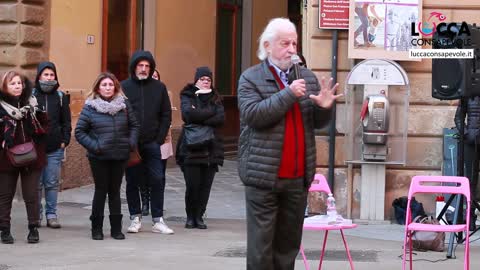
(326, 96)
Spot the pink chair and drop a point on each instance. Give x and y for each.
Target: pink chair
(423, 184)
(322, 186)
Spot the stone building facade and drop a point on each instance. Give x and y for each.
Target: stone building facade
(426, 116)
(36, 30)
(25, 42)
(23, 35)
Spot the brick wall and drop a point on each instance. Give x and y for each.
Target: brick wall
(23, 35)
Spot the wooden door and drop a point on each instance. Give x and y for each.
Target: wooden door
(122, 34)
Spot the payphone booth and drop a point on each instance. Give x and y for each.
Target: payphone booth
(376, 98)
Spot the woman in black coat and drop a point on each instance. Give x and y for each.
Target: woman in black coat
(109, 131)
(200, 105)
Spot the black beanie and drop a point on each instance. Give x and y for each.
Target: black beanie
(202, 71)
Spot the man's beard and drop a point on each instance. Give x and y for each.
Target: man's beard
(282, 64)
(142, 77)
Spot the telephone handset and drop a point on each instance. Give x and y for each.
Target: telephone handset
(364, 110)
(374, 117)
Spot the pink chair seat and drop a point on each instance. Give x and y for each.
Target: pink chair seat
(322, 186)
(436, 228)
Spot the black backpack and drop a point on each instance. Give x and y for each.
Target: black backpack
(400, 209)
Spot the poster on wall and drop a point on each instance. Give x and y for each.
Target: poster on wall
(383, 28)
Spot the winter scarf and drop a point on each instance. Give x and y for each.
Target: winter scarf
(20, 113)
(111, 107)
(14, 116)
(203, 91)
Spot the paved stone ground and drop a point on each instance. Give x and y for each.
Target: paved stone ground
(222, 246)
(226, 200)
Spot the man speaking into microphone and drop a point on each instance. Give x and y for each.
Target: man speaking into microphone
(277, 145)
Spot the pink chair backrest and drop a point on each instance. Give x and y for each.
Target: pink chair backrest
(321, 185)
(419, 181)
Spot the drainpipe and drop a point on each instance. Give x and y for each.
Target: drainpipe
(332, 126)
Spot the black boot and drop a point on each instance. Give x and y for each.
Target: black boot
(145, 194)
(6, 236)
(33, 236)
(199, 221)
(97, 227)
(116, 227)
(190, 224)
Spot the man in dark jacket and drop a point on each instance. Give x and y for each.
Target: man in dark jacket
(277, 146)
(57, 105)
(471, 154)
(150, 102)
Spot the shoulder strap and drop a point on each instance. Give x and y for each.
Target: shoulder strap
(60, 95)
(59, 92)
(418, 219)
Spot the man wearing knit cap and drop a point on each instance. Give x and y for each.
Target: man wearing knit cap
(150, 102)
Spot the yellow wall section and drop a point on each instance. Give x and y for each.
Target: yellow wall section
(78, 63)
(263, 11)
(185, 39)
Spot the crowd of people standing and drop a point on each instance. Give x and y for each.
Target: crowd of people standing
(278, 115)
(117, 120)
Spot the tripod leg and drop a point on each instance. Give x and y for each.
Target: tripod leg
(455, 219)
(471, 172)
(473, 190)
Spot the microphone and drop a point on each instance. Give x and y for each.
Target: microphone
(295, 71)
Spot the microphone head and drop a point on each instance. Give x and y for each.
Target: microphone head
(296, 59)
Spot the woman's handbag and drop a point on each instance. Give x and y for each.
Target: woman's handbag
(23, 154)
(134, 159)
(422, 240)
(197, 136)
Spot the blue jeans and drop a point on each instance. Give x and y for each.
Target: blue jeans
(153, 165)
(50, 180)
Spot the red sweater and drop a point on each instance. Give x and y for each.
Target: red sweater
(292, 164)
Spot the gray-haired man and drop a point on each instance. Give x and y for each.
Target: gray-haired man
(277, 146)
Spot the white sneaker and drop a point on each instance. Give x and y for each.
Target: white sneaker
(161, 227)
(135, 226)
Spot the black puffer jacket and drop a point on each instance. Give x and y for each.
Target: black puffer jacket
(150, 102)
(205, 109)
(108, 133)
(472, 129)
(59, 116)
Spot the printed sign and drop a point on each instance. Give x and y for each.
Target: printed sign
(333, 14)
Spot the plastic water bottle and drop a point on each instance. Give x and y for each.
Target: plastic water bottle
(331, 209)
